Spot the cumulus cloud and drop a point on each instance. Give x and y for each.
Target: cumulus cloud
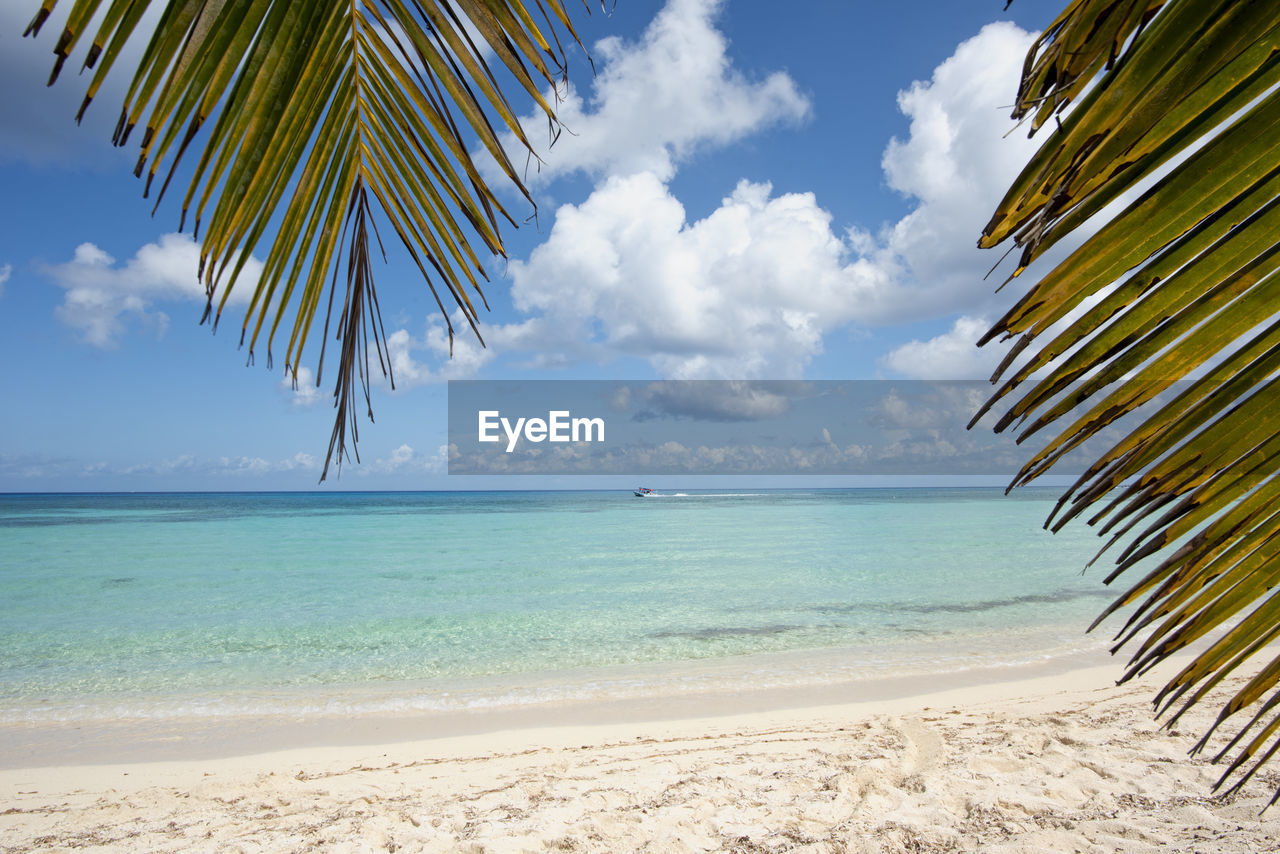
(409, 371)
(237, 466)
(300, 461)
(752, 289)
(102, 296)
(405, 460)
(36, 466)
(301, 389)
(656, 102)
(746, 292)
(413, 361)
(956, 162)
(953, 355)
(40, 467)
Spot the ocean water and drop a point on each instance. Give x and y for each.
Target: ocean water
(119, 606)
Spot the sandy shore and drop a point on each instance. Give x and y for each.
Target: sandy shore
(1058, 763)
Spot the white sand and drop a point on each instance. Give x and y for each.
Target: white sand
(1061, 763)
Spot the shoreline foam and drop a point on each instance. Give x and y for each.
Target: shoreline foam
(766, 683)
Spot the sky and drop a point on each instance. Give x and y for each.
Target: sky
(744, 195)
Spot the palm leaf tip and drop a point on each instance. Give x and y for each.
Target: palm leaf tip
(1175, 103)
(37, 21)
(320, 119)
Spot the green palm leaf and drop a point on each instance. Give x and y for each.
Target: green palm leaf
(318, 119)
(1169, 309)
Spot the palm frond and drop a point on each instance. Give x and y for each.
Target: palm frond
(1171, 308)
(320, 118)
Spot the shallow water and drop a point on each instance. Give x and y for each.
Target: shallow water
(213, 604)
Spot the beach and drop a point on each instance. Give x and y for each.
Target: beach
(1058, 762)
(777, 671)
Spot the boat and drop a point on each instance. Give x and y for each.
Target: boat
(644, 492)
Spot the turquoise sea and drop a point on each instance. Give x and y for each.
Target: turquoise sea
(166, 605)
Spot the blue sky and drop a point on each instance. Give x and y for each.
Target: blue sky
(746, 195)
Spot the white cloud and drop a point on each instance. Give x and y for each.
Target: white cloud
(953, 355)
(957, 162)
(407, 372)
(656, 102)
(238, 466)
(5, 272)
(29, 468)
(102, 295)
(300, 461)
(411, 360)
(747, 292)
(405, 460)
(190, 464)
(752, 289)
(302, 389)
